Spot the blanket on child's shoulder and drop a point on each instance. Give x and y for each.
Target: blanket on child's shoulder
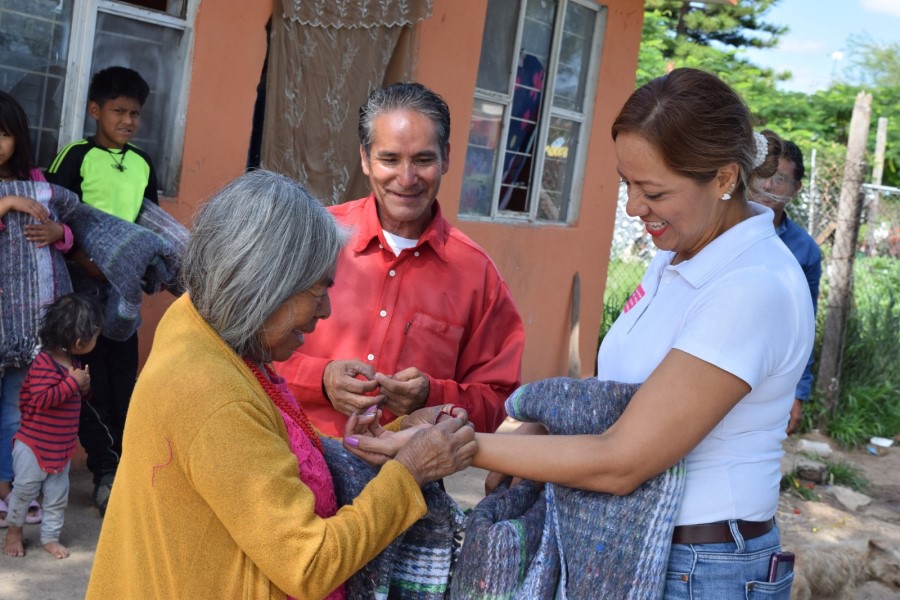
(144, 256)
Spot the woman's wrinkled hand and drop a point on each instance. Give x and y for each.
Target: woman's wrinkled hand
(439, 451)
(429, 452)
(384, 444)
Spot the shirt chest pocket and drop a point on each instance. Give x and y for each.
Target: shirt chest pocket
(431, 345)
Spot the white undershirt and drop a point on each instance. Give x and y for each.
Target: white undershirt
(398, 244)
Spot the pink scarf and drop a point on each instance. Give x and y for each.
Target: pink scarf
(313, 468)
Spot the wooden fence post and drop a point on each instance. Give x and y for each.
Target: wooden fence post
(842, 255)
(574, 329)
(877, 171)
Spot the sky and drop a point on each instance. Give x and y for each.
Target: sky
(814, 49)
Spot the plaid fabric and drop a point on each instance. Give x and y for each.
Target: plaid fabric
(592, 545)
(31, 277)
(418, 563)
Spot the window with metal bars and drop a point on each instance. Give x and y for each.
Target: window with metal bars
(43, 39)
(530, 119)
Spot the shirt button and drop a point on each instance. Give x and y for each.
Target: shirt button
(380, 246)
(416, 253)
(383, 313)
(392, 272)
(371, 357)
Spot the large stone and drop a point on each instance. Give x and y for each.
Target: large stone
(812, 447)
(804, 468)
(850, 499)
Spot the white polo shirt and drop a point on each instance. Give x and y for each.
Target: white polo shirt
(743, 305)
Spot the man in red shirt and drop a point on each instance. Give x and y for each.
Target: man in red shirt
(420, 314)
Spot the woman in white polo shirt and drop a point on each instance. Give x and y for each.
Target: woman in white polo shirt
(718, 333)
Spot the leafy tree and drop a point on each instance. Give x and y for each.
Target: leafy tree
(712, 37)
(822, 119)
(739, 26)
(873, 64)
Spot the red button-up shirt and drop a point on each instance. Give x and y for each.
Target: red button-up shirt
(441, 307)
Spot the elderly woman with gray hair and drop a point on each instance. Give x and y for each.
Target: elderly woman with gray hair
(223, 491)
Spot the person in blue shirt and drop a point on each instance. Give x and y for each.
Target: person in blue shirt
(779, 190)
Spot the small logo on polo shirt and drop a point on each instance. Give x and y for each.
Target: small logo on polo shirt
(634, 299)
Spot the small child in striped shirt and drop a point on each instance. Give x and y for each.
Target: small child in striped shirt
(50, 401)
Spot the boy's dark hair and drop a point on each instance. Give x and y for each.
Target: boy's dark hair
(793, 154)
(14, 122)
(70, 318)
(115, 82)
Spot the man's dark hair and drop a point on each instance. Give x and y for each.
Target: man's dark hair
(409, 96)
(793, 154)
(116, 82)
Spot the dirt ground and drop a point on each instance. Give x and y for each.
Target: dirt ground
(830, 526)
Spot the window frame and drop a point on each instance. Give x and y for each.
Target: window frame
(80, 61)
(548, 111)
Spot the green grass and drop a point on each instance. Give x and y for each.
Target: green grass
(847, 475)
(623, 279)
(869, 402)
(791, 484)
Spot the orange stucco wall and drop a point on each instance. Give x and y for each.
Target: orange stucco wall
(539, 262)
(229, 49)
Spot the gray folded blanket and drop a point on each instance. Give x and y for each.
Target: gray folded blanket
(31, 277)
(418, 563)
(522, 542)
(593, 545)
(134, 257)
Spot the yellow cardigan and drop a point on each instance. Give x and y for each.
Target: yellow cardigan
(207, 502)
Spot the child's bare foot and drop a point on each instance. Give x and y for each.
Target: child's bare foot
(13, 544)
(56, 549)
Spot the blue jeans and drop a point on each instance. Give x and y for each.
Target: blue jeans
(11, 380)
(735, 570)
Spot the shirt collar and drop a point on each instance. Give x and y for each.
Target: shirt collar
(718, 253)
(369, 230)
(783, 226)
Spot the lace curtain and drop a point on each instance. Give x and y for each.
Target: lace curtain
(325, 57)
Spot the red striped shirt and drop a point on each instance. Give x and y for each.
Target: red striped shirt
(50, 403)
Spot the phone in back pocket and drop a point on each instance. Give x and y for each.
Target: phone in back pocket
(780, 564)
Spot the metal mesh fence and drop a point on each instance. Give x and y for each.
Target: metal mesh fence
(816, 206)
